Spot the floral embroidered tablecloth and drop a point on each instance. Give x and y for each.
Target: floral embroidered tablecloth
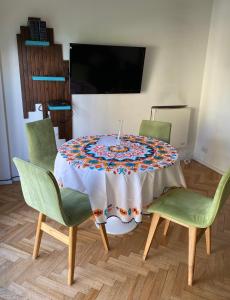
(120, 179)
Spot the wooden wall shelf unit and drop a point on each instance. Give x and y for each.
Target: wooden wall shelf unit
(44, 77)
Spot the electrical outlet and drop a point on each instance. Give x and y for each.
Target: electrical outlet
(204, 149)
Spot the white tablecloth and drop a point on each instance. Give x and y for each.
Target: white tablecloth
(113, 194)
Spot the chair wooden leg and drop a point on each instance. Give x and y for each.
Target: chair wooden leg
(208, 239)
(72, 252)
(104, 237)
(38, 236)
(191, 253)
(167, 222)
(152, 229)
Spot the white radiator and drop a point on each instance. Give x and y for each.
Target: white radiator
(179, 118)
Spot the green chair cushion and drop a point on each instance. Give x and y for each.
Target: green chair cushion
(185, 207)
(41, 191)
(156, 129)
(41, 143)
(76, 206)
(47, 162)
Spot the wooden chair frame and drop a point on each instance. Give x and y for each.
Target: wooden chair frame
(192, 234)
(70, 240)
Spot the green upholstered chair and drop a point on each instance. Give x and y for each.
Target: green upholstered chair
(156, 129)
(41, 143)
(191, 210)
(65, 206)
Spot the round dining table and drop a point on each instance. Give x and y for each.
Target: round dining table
(121, 177)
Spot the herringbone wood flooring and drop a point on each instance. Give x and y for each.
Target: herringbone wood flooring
(121, 274)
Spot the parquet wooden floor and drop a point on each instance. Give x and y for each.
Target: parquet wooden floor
(121, 274)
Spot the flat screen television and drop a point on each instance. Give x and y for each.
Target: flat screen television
(102, 69)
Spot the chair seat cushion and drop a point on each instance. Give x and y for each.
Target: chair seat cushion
(184, 206)
(47, 162)
(76, 206)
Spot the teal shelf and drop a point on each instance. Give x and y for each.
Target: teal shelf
(66, 107)
(37, 43)
(48, 78)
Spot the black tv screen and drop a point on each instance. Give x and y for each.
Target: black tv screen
(100, 69)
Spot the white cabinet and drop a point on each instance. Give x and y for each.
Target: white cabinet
(179, 118)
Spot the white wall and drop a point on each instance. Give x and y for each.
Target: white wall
(5, 169)
(213, 138)
(174, 31)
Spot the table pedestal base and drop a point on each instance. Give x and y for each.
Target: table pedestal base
(116, 227)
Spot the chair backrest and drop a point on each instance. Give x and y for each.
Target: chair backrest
(41, 143)
(222, 193)
(156, 129)
(40, 190)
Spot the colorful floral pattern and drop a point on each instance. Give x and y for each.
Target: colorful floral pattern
(128, 212)
(134, 154)
(125, 215)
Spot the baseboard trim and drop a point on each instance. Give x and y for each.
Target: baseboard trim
(10, 180)
(4, 182)
(210, 166)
